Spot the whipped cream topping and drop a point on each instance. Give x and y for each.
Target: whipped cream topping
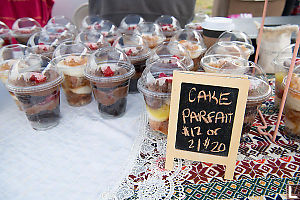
(73, 65)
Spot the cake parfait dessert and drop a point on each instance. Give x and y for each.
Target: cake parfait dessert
(292, 106)
(94, 40)
(107, 29)
(109, 71)
(151, 33)
(156, 85)
(71, 59)
(193, 43)
(129, 23)
(36, 84)
(138, 52)
(169, 25)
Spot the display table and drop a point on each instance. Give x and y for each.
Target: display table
(79, 159)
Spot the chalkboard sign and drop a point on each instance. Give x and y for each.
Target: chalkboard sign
(206, 117)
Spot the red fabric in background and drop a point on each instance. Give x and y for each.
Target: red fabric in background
(11, 10)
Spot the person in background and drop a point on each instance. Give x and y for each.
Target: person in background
(150, 10)
(11, 10)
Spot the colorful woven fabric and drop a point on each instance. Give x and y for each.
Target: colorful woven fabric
(263, 169)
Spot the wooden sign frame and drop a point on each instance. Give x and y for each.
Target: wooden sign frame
(221, 80)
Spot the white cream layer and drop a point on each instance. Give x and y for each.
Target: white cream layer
(82, 90)
(71, 70)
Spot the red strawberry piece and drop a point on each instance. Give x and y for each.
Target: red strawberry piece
(108, 72)
(129, 52)
(176, 57)
(162, 75)
(92, 46)
(41, 43)
(38, 78)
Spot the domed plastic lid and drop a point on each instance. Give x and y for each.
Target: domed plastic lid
(70, 48)
(59, 32)
(98, 63)
(156, 79)
(92, 39)
(224, 64)
(129, 23)
(151, 32)
(284, 57)
(169, 24)
(42, 43)
(88, 21)
(235, 36)
(33, 74)
(191, 40)
(25, 26)
(234, 48)
(13, 51)
(63, 21)
(3, 28)
(172, 49)
(133, 46)
(106, 28)
(259, 90)
(218, 24)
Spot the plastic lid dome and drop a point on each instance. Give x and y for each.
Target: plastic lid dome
(169, 24)
(25, 26)
(191, 40)
(224, 64)
(4, 29)
(235, 36)
(63, 21)
(172, 49)
(151, 32)
(108, 56)
(284, 57)
(33, 73)
(70, 48)
(59, 32)
(88, 21)
(129, 23)
(133, 46)
(94, 40)
(156, 79)
(13, 51)
(234, 48)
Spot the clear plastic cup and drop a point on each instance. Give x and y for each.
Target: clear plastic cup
(292, 106)
(9, 55)
(42, 43)
(71, 59)
(88, 21)
(237, 36)
(107, 29)
(259, 92)
(156, 84)
(234, 48)
(129, 23)
(36, 84)
(151, 33)
(109, 71)
(23, 28)
(282, 64)
(94, 40)
(223, 64)
(169, 25)
(5, 34)
(138, 52)
(63, 21)
(193, 42)
(172, 49)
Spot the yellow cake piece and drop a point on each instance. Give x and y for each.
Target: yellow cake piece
(160, 114)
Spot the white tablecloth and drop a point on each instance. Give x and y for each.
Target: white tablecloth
(78, 159)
